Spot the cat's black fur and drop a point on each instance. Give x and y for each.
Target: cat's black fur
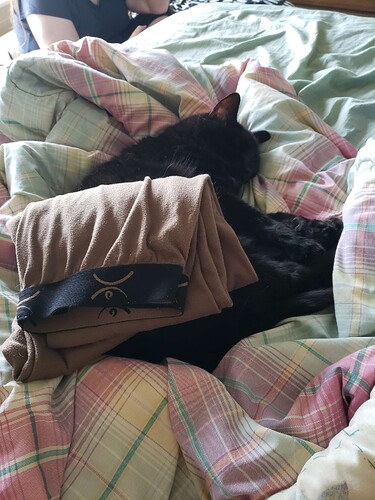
(293, 256)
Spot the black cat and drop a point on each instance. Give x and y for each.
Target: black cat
(293, 256)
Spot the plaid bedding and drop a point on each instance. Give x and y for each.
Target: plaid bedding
(288, 412)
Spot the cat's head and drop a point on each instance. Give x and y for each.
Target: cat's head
(229, 152)
(243, 144)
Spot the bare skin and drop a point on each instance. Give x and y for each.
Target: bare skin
(50, 29)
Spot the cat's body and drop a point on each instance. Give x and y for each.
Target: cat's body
(292, 256)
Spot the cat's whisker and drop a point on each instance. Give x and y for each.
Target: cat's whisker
(167, 168)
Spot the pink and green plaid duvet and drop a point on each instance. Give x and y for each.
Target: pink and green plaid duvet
(288, 413)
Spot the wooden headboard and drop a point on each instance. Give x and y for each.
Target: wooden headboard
(359, 6)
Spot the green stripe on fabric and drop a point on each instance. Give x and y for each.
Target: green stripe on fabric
(307, 185)
(15, 122)
(149, 122)
(313, 351)
(358, 225)
(354, 376)
(236, 384)
(93, 96)
(112, 484)
(265, 337)
(35, 436)
(304, 445)
(332, 162)
(7, 310)
(11, 122)
(196, 443)
(83, 371)
(41, 456)
(5, 237)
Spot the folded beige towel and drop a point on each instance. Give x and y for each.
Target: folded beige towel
(98, 266)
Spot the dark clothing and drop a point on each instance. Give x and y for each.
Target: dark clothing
(108, 20)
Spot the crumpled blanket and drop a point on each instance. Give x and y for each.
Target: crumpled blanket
(107, 429)
(132, 257)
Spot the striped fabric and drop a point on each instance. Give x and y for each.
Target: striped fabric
(255, 434)
(288, 413)
(178, 5)
(354, 276)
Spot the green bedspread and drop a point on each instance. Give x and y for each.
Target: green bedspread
(327, 56)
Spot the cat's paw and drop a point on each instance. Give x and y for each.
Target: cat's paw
(325, 232)
(305, 249)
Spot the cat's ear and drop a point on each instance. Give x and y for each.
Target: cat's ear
(262, 136)
(227, 108)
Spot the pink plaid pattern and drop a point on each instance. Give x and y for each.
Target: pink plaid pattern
(228, 432)
(251, 429)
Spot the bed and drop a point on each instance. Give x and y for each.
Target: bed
(289, 412)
